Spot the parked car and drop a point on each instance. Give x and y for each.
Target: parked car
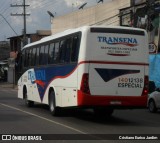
(152, 86)
(3, 71)
(154, 101)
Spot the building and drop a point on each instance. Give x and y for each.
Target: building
(145, 15)
(133, 13)
(16, 43)
(100, 14)
(4, 50)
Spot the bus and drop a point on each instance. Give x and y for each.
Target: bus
(97, 67)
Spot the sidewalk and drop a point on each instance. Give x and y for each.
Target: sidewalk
(7, 85)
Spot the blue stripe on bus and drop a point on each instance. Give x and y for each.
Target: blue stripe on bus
(45, 75)
(109, 74)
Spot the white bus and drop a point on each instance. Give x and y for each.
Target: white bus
(97, 67)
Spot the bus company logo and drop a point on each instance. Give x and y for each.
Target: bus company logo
(31, 76)
(131, 42)
(38, 77)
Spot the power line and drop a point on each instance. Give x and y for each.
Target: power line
(9, 24)
(3, 6)
(24, 18)
(43, 5)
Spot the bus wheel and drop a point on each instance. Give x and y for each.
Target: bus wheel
(52, 104)
(28, 103)
(151, 106)
(103, 111)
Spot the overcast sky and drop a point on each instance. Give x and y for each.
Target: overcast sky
(39, 18)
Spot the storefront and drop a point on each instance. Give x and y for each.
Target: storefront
(146, 15)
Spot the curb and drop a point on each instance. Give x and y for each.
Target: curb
(8, 85)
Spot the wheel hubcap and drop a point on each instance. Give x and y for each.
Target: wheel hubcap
(151, 106)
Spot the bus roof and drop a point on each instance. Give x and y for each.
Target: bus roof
(71, 31)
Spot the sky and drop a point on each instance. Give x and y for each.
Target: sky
(39, 19)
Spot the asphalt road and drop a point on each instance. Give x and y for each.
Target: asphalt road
(16, 118)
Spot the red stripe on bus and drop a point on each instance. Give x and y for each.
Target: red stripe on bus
(107, 100)
(95, 62)
(99, 62)
(112, 62)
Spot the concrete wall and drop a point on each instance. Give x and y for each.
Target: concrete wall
(105, 13)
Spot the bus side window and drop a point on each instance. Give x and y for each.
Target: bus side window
(68, 50)
(56, 53)
(75, 49)
(20, 63)
(41, 59)
(37, 56)
(51, 54)
(23, 59)
(46, 55)
(62, 49)
(33, 62)
(30, 57)
(65, 48)
(26, 63)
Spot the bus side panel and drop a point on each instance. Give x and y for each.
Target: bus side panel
(64, 83)
(20, 88)
(58, 93)
(28, 80)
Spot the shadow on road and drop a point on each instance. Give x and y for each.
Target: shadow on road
(88, 115)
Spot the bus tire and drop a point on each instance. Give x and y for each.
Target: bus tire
(28, 103)
(52, 104)
(152, 106)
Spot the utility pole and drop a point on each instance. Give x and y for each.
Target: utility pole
(24, 19)
(151, 14)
